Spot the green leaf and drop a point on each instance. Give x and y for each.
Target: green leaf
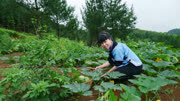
(78, 88)
(84, 69)
(91, 63)
(99, 88)
(106, 86)
(105, 95)
(178, 73)
(2, 96)
(149, 61)
(169, 74)
(109, 95)
(87, 93)
(112, 97)
(162, 64)
(110, 85)
(177, 67)
(148, 69)
(102, 61)
(96, 75)
(129, 97)
(131, 90)
(115, 74)
(147, 83)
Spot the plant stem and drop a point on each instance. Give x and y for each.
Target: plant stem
(146, 96)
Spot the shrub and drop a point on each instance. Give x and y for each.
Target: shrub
(5, 43)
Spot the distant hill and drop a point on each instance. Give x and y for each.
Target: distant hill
(174, 31)
(167, 38)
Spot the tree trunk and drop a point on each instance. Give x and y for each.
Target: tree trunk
(57, 25)
(37, 19)
(93, 37)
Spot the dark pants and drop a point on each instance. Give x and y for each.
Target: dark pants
(129, 70)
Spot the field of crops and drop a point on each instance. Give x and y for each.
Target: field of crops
(60, 70)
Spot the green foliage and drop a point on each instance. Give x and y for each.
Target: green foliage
(38, 54)
(59, 12)
(105, 86)
(15, 78)
(108, 96)
(129, 97)
(52, 51)
(39, 91)
(40, 83)
(156, 55)
(168, 74)
(94, 18)
(95, 75)
(174, 31)
(144, 35)
(109, 15)
(147, 83)
(35, 84)
(5, 43)
(81, 88)
(15, 15)
(114, 75)
(131, 90)
(147, 68)
(94, 63)
(120, 20)
(130, 94)
(72, 31)
(28, 16)
(74, 75)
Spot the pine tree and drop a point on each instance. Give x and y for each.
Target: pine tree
(109, 15)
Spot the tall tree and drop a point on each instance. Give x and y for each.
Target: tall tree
(110, 15)
(14, 16)
(94, 18)
(36, 6)
(119, 20)
(59, 11)
(22, 15)
(71, 29)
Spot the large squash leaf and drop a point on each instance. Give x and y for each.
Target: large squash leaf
(81, 88)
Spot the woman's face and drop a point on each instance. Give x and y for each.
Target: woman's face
(107, 44)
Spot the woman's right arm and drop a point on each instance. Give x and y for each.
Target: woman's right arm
(103, 65)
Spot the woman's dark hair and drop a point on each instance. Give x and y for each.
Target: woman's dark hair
(103, 36)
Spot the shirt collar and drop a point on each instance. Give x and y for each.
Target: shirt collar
(113, 46)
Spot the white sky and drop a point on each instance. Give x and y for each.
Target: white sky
(154, 15)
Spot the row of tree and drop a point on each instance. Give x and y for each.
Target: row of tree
(168, 39)
(42, 15)
(174, 31)
(34, 15)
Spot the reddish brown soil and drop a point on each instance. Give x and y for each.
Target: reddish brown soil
(167, 93)
(3, 63)
(17, 37)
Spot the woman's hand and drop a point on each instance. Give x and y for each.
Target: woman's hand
(103, 65)
(98, 68)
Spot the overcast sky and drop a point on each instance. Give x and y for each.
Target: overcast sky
(154, 15)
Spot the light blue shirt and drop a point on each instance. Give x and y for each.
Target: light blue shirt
(120, 51)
